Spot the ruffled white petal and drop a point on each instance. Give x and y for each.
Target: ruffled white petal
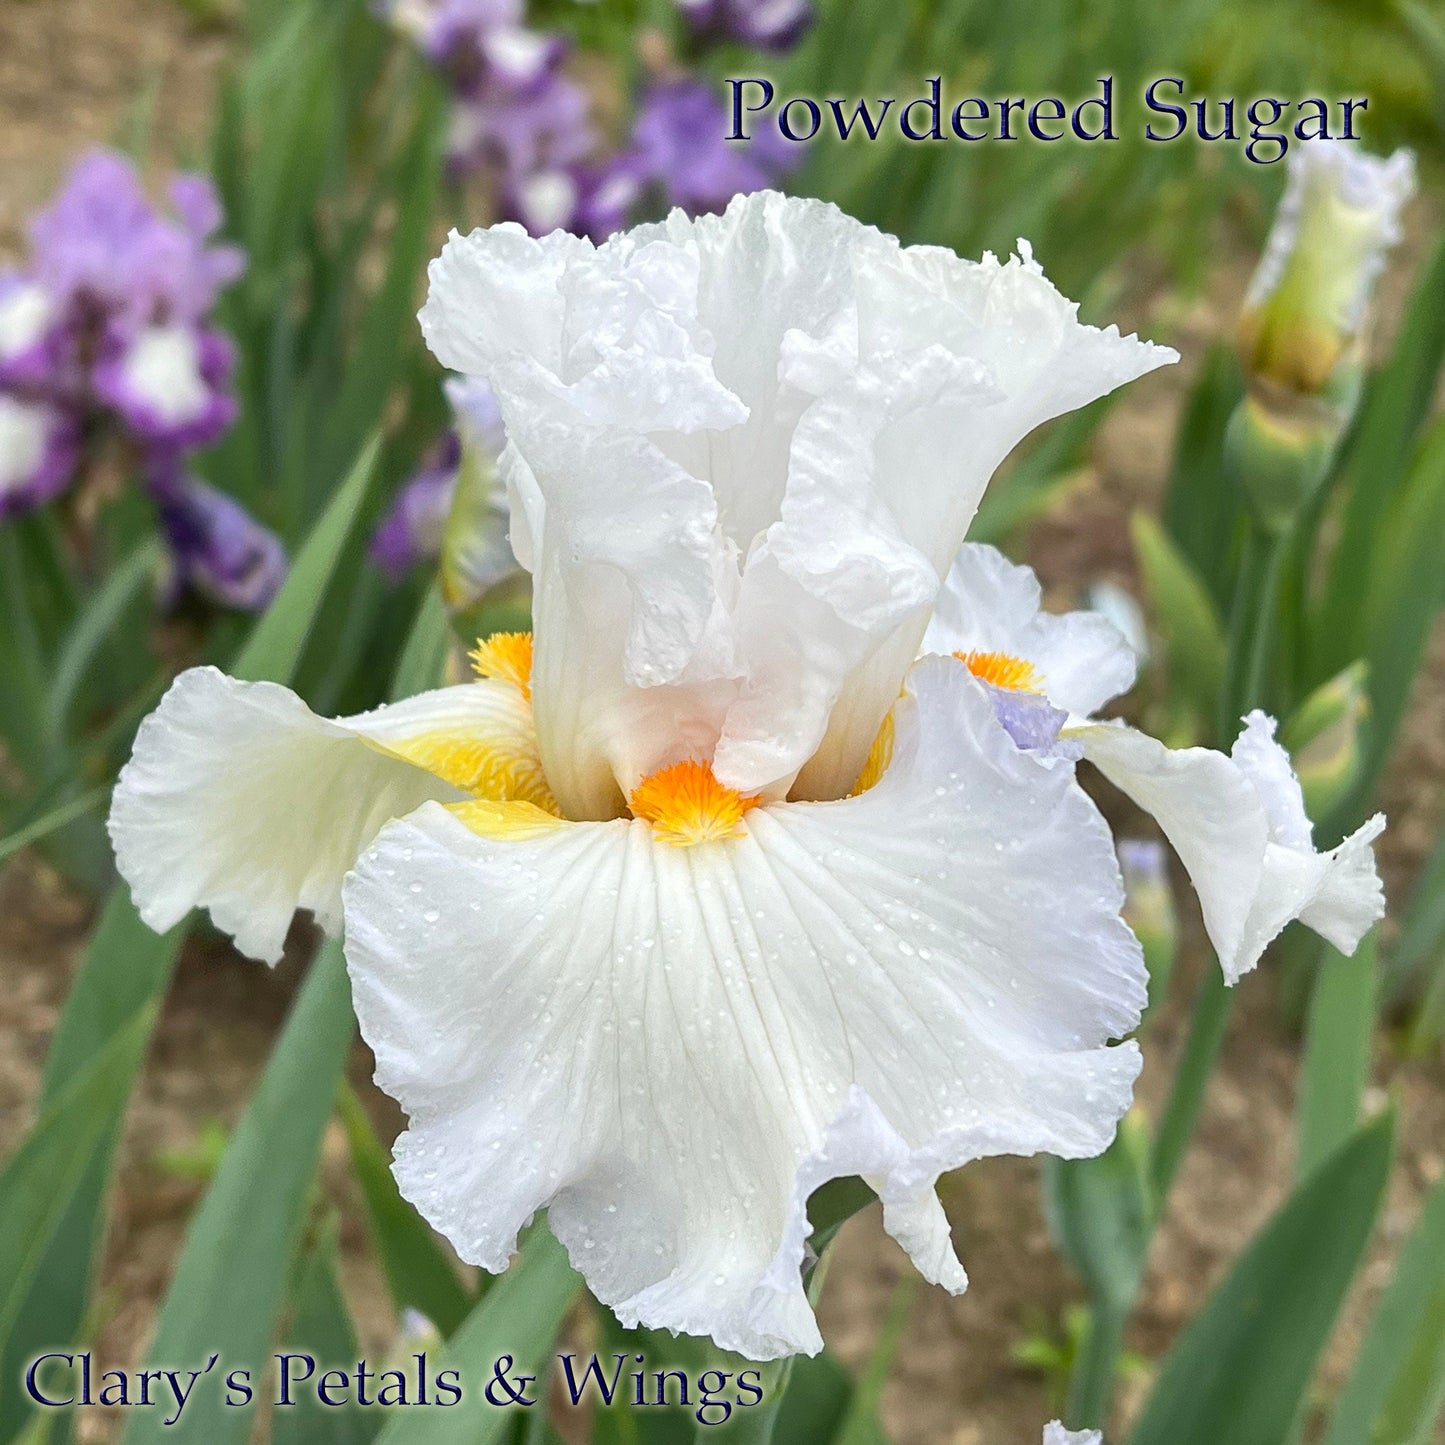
(1239, 827)
(989, 604)
(240, 800)
(1267, 766)
(669, 1048)
(684, 404)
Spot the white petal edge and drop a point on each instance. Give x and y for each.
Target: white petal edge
(1235, 823)
(670, 1048)
(239, 799)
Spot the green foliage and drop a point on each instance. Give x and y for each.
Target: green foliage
(321, 1328)
(1336, 1065)
(418, 1272)
(1101, 1214)
(860, 1425)
(1240, 1369)
(121, 978)
(274, 650)
(41, 1177)
(519, 1319)
(240, 1243)
(1396, 1389)
(1203, 508)
(126, 969)
(1376, 465)
(1420, 950)
(1188, 621)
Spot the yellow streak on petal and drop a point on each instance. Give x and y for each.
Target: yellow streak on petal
(879, 756)
(686, 804)
(1002, 669)
(481, 765)
(506, 657)
(514, 821)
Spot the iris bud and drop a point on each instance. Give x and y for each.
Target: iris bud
(1324, 738)
(1302, 330)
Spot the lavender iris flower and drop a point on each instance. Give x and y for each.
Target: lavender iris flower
(107, 331)
(416, 527)
(773, 25)
(680, 143)
(519, 129)
(170, 385)
(102, 245)
(411, 532)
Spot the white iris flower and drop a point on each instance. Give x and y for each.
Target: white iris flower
(641, 929)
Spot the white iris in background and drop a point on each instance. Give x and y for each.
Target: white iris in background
(656, 941)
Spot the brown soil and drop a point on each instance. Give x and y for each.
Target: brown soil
(70, 71)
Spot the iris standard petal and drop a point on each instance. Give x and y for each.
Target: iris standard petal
(989, 604)
(724, 382)
(669, 1047)
(240, 800)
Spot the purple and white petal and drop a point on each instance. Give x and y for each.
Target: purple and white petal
(39, 452)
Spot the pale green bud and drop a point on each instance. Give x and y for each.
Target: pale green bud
(1302, 329)
(1309, 302)
(1323, 737)
(1280, 448)
(476, 554)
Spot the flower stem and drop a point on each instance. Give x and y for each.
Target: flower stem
(1091, 1385)
(1255, 686)
(1186, 1096)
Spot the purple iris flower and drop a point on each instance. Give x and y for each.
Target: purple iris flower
(452, 34)
(27, 332)
(587, 199)
(102, 249)
(520, 129)
(773, 25)
(107, 330)
(411, 532)
(679, 142)
(218, 550)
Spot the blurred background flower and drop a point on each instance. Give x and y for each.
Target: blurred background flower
(771, 25)
(107, 337)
